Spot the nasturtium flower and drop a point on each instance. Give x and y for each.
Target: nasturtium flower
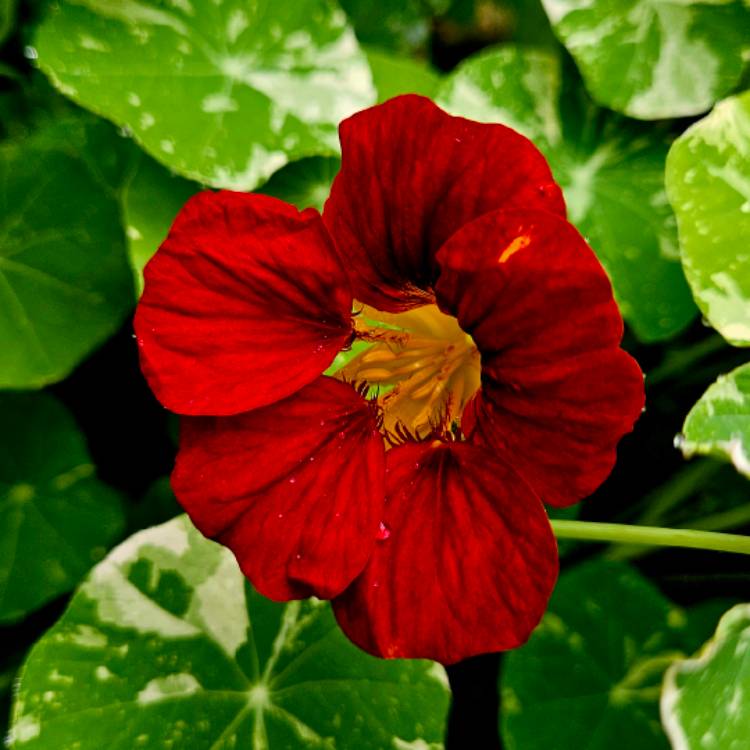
(408, 485)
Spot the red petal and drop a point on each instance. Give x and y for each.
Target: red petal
(411, 175)
(557, 391)
(294, 489)
(245, 302)
(468, 565)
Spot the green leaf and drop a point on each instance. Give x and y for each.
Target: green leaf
(7, 17)
(305, 183)
(402, 25)
(594, 156)
(151, 199)
(593, 667)
(530, 23)
(400, 75)
(64, 279)
(56, 519)
(165, 645)
(704, 703)
(719, 423)
(654, 59)
(708, 182)
(225, 93)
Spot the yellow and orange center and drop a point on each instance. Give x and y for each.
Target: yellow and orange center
(419, 364)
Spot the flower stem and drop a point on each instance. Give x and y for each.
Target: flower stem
(728, 519)
(652, 536)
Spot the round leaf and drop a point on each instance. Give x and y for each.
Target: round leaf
(64, 279)
(719, 423)
(56, 519)
(305, 183)
(653, 59)
(151, 200)
(165, 645)
(400, 75)
(7, 16)
(705, 702)
(594, 156)
(708, 182)
(154, 196)
(225, 93)
(593, 667)
(403, 25)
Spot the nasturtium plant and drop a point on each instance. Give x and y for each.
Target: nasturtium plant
(151, 198)
(437, 340)
(304, 183)
(401, 25)
(719, 423)
(401, 75)
(248, 302)
(593, 667)
(708, 183)
(64, 280)
(165, 645)
(594, 155)
(654, 59)
(7, 14)
(705, 699)
(224, 93)
(56, 518)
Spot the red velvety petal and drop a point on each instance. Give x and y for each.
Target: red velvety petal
(294, 489)
(411, 175)
(244, 303)
(468, 564)
(557, 391)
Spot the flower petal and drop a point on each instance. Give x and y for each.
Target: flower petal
(411, 175)
(245, 302)
(294, 489)
(467, 540)
(557, 391)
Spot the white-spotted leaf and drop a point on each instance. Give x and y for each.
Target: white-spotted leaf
(224, 93)
(705, 703)
(611, 171)
(653, 59)
(719, 423)
(166, 646)
(708, 182)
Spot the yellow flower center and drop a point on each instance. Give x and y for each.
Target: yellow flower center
(423, 367)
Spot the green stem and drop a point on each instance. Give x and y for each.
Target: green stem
(652, 536)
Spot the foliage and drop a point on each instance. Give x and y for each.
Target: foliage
(112, 114)
(165, 627)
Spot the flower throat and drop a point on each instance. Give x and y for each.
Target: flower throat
(419, 365)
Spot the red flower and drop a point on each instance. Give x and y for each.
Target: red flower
(494, 348)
